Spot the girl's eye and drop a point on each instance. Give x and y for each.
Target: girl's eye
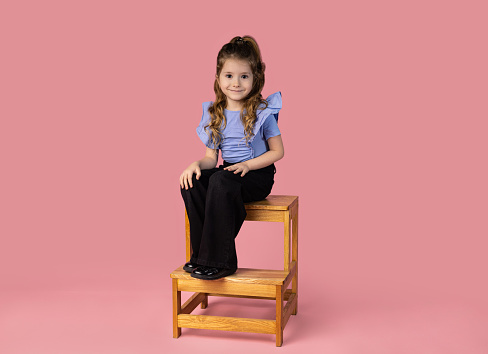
(245, 76)
(229, 76)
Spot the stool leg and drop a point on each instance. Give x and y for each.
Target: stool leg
(286, 225)
(279, 315)
(205, 302)
(294, 256)
(176, 309)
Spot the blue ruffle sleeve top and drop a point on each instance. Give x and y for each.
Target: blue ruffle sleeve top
(233, 146)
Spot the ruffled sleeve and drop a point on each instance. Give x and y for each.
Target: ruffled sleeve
(274, 106)
(202, 134)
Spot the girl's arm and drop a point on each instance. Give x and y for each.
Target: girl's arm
(207, 162)
(275, 153)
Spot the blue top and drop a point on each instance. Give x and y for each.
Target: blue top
(233, 146)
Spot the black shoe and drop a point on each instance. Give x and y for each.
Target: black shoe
(211, 273)
(190, 267)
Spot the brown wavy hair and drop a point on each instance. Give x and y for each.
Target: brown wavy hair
(242, 48)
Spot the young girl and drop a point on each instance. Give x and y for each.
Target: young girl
(243, 126)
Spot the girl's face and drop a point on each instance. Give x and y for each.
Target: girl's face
(235, 81)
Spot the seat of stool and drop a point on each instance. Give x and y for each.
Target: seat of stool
(273, 202)
(273, 208)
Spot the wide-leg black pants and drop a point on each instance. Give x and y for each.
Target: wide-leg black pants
(215, 208)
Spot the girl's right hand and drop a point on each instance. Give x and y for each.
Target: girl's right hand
(187, 175)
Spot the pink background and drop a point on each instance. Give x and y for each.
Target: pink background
(385, 131)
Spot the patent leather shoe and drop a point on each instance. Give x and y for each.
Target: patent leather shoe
(190, 267)
(211, 273)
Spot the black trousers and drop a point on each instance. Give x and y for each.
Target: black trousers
(215, 208)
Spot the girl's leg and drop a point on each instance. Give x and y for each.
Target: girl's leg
(195, 199)
(224, 213)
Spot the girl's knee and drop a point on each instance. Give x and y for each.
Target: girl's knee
(219, 177)
(194, 182)
(225, 181)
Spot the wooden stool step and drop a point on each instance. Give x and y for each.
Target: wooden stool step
(242, 275)
(245, 282)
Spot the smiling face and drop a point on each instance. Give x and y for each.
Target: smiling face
(235, 81)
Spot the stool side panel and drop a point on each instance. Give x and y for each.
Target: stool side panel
(265, 215)
(242, 275)
(273, 202)
(221, 323)
(226, 288)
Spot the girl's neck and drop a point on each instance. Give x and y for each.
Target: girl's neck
(234, 106)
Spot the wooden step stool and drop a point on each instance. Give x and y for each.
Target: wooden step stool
(245, 282)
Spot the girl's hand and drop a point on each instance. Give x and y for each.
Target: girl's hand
(187, 175)
(238, 167)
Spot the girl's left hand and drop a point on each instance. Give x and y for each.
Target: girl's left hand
(238, 167)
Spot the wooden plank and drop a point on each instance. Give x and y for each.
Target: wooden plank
(294, 256)
(176, 308)
(221, 323)
(264, 215)
(244, 297)
(286, 296)
(273, 202)
(287, 224)
(290, 275)
(205, 301)
(290, 305)
(279, 315)
(242, 275)
(214, 286)
(192, 302)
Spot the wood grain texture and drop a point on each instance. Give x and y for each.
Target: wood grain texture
(242, 275)
(265, 215)
(176, 308)
(286, 296)
(286, 248)
(243, 297)
(279, 315)
(192, 303)
(205, 301)
(290, 305)
(290, 275)
(294, 255)
(221, 323)
(209, 286)
(273, 202)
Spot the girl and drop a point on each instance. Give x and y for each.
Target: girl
(242, 125)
